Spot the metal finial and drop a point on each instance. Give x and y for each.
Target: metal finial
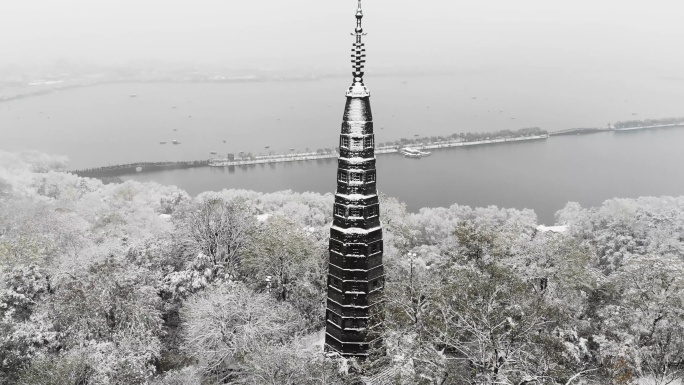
(359, 16)
(358, 58)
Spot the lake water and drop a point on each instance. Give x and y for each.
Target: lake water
(541, 175)
(102, 125)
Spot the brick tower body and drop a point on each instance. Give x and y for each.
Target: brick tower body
(355, 270)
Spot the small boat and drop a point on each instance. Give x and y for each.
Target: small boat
(162, 142)
(133, 96)
(413, 153)
(224, 140)
(175, 142)
(267, 146)
(213, 152)
(175, 129)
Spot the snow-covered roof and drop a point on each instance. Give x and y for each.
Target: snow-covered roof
(357, 159)
(355, 230)
(386, 376)
(354, 197)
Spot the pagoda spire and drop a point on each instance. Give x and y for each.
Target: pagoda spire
(355, 270)
(359, 30)
(358, 58)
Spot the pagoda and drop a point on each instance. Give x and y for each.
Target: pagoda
(355, 270)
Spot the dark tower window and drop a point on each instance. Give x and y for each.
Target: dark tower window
(342, 176)
(356, 177)
(370, 177)
(341, 211)
(356, 144)
(368, 142)
(372, 211)
(344, 141)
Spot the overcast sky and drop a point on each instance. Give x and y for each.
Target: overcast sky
(314, 34)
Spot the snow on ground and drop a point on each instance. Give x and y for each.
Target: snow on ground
(555, 229)
(650, 381)
(263, 217)
(316, 340)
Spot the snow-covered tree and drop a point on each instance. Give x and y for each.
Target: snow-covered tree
(217, 229)
(644, 325)
(295, 261)
(226, 322)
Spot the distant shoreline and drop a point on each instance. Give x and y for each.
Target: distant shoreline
(147, 167)
(67, 84)
(249, 159)
(63, 84)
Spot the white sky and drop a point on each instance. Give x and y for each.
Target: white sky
(422, 35)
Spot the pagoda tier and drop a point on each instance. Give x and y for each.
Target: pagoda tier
(355, 270)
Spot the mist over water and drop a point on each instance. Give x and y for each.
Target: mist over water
(103, 125)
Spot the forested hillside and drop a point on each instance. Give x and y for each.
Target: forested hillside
(130, 283)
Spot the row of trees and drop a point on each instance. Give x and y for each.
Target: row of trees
(130, 283)
(648, 122)
(463, 136)
(468, 137)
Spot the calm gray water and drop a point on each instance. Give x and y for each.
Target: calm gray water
(102, 125)
(540, 175)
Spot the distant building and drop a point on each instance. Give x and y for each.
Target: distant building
(355, 270)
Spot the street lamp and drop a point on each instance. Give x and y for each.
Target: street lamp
(268, 283)
(411, 257)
